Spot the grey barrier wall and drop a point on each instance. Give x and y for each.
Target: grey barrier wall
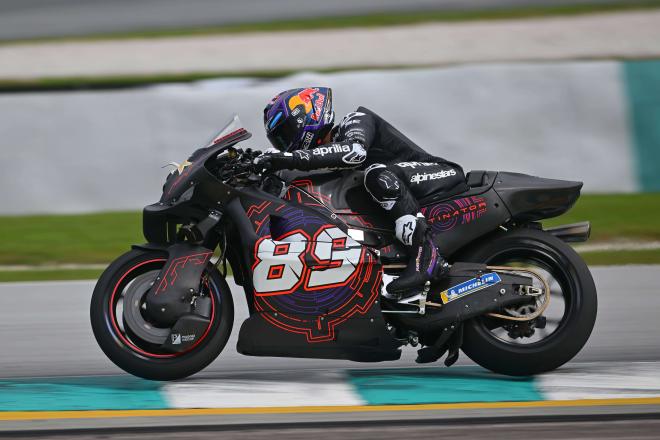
(103, 150)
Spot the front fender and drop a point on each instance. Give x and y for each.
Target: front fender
(151, 247)
(171, 295)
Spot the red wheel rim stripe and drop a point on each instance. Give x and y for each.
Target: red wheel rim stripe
(133, 346)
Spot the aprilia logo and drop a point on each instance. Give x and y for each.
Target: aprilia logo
(322, 151)
(419, 177)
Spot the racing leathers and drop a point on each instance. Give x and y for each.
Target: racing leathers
(397, 174)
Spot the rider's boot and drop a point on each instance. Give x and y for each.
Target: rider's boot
(425, 262)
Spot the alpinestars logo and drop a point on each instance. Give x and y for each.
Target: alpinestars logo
(423, 177)
(336, 148)
(302, 154)
(407, 233)
(356, 156)
(414, 165)
(348, 119)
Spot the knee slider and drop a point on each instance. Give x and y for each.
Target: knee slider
(382, 184)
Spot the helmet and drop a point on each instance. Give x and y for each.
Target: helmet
(299, 118)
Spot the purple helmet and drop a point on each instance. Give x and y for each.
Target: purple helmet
(298, 119)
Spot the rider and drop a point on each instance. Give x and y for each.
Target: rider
(299, 124)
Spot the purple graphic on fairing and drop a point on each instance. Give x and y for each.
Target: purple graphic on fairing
(309, 276)
(447, 215)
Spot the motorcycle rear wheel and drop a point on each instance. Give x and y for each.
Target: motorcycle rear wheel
(141, 358)
(578, 291)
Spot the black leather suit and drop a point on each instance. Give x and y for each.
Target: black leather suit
(397, 171)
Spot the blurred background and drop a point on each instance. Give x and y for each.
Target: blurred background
(97, 96)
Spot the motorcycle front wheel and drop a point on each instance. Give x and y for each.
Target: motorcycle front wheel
(522, 349)
(118, 301)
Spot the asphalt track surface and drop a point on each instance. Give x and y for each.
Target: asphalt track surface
(571, 430)
(52, 18)
(45, 330)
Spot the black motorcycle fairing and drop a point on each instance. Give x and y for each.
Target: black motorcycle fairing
(199, 192)
(478, 182)
(531, 198)
(336, 318)
(160, 221)
(363, 338)
(494, 199)
(572, 233)
(171, 295)
(188, 174)
(340, 192)
(455, 221)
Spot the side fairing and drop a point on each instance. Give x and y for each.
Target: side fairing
(455, 221)
(312, 285)
(460, 220)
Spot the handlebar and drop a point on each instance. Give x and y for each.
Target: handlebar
(237, 166)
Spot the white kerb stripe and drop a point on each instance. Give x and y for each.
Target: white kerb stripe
(602, 381)
(331, 390)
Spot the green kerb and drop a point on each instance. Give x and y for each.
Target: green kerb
(642, 81)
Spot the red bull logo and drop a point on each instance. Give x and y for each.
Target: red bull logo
(318, 106)
(310, 99)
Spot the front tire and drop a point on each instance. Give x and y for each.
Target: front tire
(139, 357)
(578, 291)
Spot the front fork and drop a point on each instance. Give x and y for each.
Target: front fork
(174, 299)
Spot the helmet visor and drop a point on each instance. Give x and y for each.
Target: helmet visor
(284, 136)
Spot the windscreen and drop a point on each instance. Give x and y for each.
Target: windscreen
(232, 126)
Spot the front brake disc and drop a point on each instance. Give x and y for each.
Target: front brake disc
(133, 318)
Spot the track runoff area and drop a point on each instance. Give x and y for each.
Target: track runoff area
(63, 381)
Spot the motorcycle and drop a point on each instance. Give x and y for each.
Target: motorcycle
(314, 264)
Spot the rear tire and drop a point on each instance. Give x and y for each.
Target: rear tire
(572, 332)
(138, 359)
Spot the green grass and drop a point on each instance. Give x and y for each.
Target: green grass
(100, 238)
(50, 275)
(608, 258)
(125, 81)
(373, 20)
(53, 239)
(614, 217)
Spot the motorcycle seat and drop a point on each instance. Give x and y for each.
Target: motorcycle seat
(475, 178)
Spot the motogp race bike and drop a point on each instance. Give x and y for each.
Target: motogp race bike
(313, 265)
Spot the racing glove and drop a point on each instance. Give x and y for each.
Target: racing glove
(273, 160)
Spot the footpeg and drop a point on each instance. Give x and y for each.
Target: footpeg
(418, 301)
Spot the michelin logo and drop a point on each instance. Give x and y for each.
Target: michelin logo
(423, 177)
(469, 286)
